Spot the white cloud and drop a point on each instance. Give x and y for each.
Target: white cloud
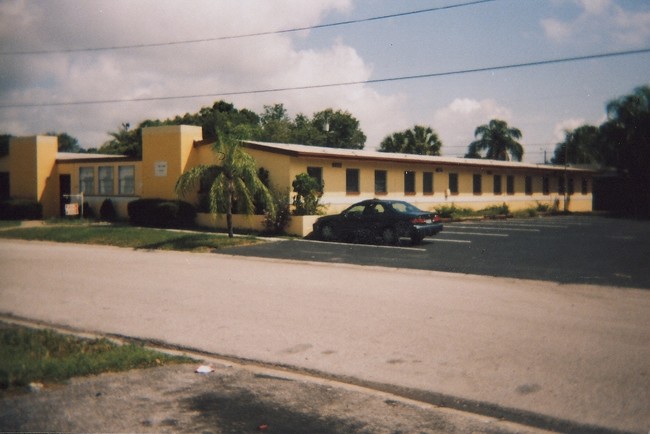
(600, 21)
(559, 132)
(456, 122)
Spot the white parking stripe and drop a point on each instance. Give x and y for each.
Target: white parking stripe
(475, 233)
(492, 228)
(438, 240)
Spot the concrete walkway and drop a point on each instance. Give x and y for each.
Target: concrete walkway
(537, 351)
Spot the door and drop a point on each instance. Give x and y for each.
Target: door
(65, 185)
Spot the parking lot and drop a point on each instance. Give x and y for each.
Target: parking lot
(565, 249)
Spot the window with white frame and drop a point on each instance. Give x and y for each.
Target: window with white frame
(87, 180)
(126, 178)
(105, 176)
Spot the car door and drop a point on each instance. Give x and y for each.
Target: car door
(353, 220)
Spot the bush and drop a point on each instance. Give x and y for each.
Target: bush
(455, 212)
(495, 210)
(275, 222)
(20, 209)
(308, 193)
(107, 211)
(161, 213)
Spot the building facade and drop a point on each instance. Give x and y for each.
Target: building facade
(33, 169)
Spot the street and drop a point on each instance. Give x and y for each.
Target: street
(576, 354)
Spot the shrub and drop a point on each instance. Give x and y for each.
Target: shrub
(543, 207)
(308, 192)
(107, 211)
(454, 212)
(275, 222)
(496, 210)
(161, 213)
(89, 213)
(20, 209)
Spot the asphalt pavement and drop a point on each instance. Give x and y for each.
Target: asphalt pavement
(560, 356)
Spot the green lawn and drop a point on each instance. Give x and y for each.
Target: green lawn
(128, 236)
(45, 356)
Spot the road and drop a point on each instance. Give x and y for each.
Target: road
(532, 350)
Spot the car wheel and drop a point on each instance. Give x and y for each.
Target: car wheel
(327, 233)
(389, 236)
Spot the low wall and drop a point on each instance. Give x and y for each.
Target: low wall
(298, 225)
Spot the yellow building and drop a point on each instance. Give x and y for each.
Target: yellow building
(33, 169)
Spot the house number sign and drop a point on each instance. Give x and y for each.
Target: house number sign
(160, 168)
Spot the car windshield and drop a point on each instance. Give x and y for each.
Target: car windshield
(405, 207)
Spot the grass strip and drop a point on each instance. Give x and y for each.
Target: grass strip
(129, 236)
(30, 355)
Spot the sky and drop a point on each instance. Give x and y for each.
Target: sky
(54, 58)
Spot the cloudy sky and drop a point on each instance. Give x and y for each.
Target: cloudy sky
(53, 57)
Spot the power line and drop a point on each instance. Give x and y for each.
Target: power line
(245, 35)
(341, 84)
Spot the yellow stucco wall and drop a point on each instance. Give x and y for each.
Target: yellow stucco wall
(165, 155)
(33, 172)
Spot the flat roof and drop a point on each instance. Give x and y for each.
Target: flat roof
(357, 154)
(78, 157)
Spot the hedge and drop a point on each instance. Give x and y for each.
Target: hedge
(161, 213)
(20, 209)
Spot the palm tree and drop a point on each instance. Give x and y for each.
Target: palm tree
(233, 184)
(498, 140)
(580, 146)
(417, 140)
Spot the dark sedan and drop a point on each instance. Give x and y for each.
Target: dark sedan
(370, 219)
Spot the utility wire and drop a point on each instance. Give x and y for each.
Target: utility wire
(246, 35)
(341, 84)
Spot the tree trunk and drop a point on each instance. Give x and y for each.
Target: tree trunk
(229, 217)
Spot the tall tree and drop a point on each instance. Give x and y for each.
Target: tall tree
(418, 140)
(67, 143)
(627, 144)
(580, 146)
(233, 184)
(124, 142)
(276, 124)
(337, 129)
(498, 141)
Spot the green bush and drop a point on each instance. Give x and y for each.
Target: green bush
(20, 209)
(455, 212)
(308, 193)
(107, 211)
(496, 210)
(275, 222)
(161, 213)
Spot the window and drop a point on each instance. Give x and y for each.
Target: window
(510, 184)
(546, 187)
(4, 185)
(380, 182)
(317, 174)
(427, 183)
(409, 182)
(571, 188)
(453, 183)
(87, 180)
(105, 175)
(585, 186)
(126, 176)
(560, 185)
(352, 181)
(497, 184)
(529, 185)
(477, 186)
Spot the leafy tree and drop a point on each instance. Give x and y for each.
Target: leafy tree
(308, 192)
(233, 184)
(627, 144)
(418, 140)
(336, 129)
(124, 142)
(580, 146)
(276, 124)
(498, 140)
(67, 143)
